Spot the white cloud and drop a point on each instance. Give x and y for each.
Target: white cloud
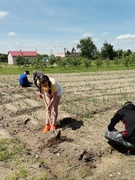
(85, 35)
(104, 33)
(11, 34)
(3, 14)
(125, 37)
(95, 39)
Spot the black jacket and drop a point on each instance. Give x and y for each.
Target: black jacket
(127, 116)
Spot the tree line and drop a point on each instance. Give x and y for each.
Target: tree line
(88, 53)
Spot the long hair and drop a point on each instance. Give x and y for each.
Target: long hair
(43, 79)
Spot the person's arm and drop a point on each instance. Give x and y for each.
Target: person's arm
(41, 92)
(115, 119)
(52, 100)
(26, 80)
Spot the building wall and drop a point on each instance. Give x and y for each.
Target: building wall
(67, 55)
(61, 54)
(71, 55)
(10, 59)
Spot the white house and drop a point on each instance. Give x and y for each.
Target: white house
(12, 55)
(60, 54)
(65, 54)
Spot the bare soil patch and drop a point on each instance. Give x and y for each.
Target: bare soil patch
(77, 149)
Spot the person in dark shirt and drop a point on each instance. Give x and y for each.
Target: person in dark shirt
(23, 80)
(35, 77)
(126, 115)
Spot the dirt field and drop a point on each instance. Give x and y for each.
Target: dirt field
(80, 150)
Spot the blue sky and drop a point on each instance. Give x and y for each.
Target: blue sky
(49, 26)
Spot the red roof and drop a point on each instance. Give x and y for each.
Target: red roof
(23, 53)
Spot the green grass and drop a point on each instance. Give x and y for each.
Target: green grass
(15, 70)
(21, 173)
(9, 149)
(13, 155)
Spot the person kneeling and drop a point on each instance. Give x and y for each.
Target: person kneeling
(126, 115)
(23, 80)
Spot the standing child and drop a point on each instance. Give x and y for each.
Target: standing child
(50, 91)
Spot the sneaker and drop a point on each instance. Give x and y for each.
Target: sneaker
(47, 128)
(53, 127)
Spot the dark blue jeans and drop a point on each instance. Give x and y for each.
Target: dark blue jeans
(26, 85)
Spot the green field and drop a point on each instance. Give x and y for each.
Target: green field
(15, 70)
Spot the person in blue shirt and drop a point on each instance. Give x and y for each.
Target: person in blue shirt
(23, 80)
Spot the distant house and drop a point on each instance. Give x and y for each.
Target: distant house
(12, 55)
(60, 54)
(66, 54)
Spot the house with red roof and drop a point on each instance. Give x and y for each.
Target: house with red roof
(12, 55)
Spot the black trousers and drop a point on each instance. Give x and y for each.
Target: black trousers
(26, 85)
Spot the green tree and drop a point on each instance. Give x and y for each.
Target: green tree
(86, 62)
(107, 51)
(20, 61)
(63, 62)
(126, 53)
(107, 61)
(98, 62)
(132, 59)
(52, 60)
(3, 58)
(119, 53)
(45, 55)
(26, 62)
(38, 62)
(75, 61)
(88, 48)
(68, 61)
(59, 61)
(116, 61)
(126, 61)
